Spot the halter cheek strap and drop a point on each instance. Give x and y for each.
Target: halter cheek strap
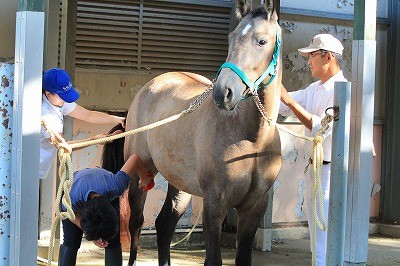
(270, 71)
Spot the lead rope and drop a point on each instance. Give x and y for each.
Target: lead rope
(317, 156)
(66, 180)
(66, 170)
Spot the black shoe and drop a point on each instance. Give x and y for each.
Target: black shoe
(67, 256)
(113, 257)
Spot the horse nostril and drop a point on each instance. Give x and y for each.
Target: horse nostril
(228, 95)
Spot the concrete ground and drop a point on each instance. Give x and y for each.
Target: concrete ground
(381, 251)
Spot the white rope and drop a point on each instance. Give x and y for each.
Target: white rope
(191, 230)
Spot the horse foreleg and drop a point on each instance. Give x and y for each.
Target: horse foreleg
(174, 207)
(214, 212)
(137, 199)
(249, 218)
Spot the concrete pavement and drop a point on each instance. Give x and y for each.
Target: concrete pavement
(382, 251)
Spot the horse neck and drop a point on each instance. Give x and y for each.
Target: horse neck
(270, 99)
(252, 119)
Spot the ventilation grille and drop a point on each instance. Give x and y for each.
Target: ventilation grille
(128, 35)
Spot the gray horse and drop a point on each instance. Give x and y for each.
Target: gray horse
(225, 151)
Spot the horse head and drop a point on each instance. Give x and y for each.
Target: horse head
(254, 48)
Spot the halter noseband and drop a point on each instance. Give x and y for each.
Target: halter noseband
(270, 71)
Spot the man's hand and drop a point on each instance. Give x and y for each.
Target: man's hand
(301, 113)
(285, 98)
(100, 243)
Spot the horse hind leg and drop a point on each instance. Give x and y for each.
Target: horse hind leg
(137, 199)
(174, 207)
(249, 219)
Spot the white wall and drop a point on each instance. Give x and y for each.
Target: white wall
(334, 6)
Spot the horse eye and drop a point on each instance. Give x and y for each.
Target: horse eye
(262, 42)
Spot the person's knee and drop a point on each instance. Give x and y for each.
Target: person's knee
(113, 245)
(115, 242)
(72, 235)
(73, 245)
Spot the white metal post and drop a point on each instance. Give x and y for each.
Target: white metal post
(339, 176)
(361, 132)
(26, 137)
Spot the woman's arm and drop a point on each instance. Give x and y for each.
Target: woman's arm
(99, 136)
(134, 164)
(96, 117)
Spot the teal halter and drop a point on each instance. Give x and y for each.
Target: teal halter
(270, 71)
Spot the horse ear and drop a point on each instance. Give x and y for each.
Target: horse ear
(242, 9)
(269, 6)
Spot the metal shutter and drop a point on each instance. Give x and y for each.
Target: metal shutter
(107, 34)
(128, 35)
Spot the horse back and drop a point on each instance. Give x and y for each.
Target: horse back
(162, 97)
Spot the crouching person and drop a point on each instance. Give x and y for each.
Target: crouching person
(96, 218)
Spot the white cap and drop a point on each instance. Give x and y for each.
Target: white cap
(323, 42)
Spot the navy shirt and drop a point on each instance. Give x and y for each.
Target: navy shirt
(100, 181)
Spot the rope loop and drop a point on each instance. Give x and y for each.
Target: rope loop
(318, 139)
(64, 146)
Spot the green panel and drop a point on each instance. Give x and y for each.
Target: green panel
(31, 5)
(365, 19)
(391, 173)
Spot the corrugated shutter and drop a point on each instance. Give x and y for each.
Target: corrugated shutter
(128, 35)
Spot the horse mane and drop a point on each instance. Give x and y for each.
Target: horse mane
(259, 11)
(112, 158)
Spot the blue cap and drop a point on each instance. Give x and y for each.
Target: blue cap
(57, 80)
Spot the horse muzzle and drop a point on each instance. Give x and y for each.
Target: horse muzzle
(225, 96)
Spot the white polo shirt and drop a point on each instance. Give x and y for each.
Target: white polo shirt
(315, 99)
(54, 118)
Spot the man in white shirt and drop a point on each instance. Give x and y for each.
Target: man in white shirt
(309, 105)
(58, 100)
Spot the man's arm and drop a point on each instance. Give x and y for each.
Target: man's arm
(301, 113)
(95, 117)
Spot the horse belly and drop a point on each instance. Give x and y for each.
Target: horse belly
(175, 161)
(173, 149)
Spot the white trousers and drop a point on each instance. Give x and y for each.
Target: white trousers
(321, 236)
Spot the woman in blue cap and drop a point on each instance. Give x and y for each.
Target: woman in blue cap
(58, 100)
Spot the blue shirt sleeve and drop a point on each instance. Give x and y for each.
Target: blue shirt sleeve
(100, 181)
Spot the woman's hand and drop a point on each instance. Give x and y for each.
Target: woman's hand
(120, 120)
(100, 243)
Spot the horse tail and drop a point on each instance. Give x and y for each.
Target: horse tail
(112, 158)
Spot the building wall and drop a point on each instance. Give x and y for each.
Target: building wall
(290, 184)
(114, 91)
(8, 11)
